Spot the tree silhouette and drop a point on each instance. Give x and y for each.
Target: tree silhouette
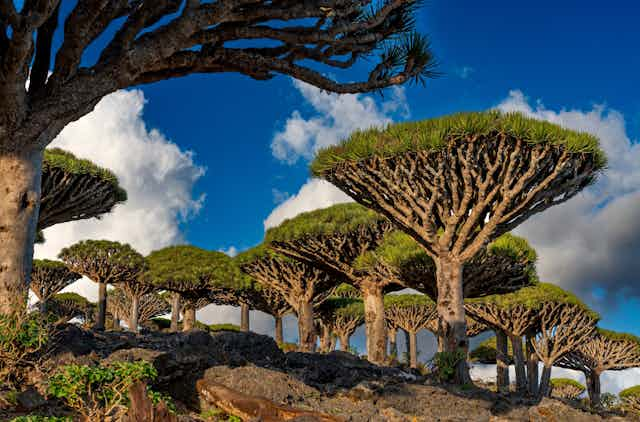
(48, 278)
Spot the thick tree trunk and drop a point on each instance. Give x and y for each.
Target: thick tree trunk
(344, 342)
(102, 307)
(413, 349)
(519, 362)
(545, 382)
(532, 365)
(20, 179)
(593, 388)
(406, 345)
(306, 327)
(393, 344)
(175, 312)
(135, 312)
(502, 362)
(279, 332)
(188, 318)
(244, 318)
(452, 326)
(375, 324)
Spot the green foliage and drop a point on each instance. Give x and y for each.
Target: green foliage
(224, 327)
(341, 218)
(614, 335)
(561, 382)
(347, 291)
(161, 323)
(157, 397)
(446, 363)
(99, 391)
(437, 133)
(49, 264)
(37, 418)
(631, 392)
(486, 352)
(609, 401)
(342, 306)
(104, 256)
(80, 300)
(56, 158)
(407, 300)
(288, 347)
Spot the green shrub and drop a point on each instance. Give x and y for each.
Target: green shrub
(630, 399)
(446, 363)
(566, 388)
(36, 418)
(609, 401)
(100, 391)
(288, 347)
(224, 327)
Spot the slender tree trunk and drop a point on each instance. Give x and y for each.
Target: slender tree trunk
(532, 364)
(325, 339)
(279, 332)
(452, 325)
(244, 318)
(393, 344)
(413, 349)
(20, 179)
(545, 382)
(519, 361)
(188, 318)
(102, 307)
(135, 312)
(175, 312)
(332, 345)
(376, 325)
(593, 388)
(116, 324)
(344, 342)
(406, 345)
(306, 327)
(502, 362)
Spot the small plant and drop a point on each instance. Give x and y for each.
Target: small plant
(36, 418)
(630, 399)
(288, 347)
(446, 363)
(100, 391)
(609, 401)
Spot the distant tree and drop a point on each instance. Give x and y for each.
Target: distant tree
(457, 183)
(347, 291)
(333, 239)
(150, 305)
(48, 278)
(566, 388)
(302, 286)
(268, 300)
(605, 351)
(486, 352)
(630, 399)
(67, 306)
(199, 276)
(104, 262)
(412, 313)
(46, 83)
(344, 316)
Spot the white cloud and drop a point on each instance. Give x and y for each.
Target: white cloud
(156, 173)
(335, 117)
(464, 72)
(594, 239)
(231, 251)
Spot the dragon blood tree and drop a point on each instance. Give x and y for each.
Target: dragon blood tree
(150, 305)
(566, 388)
(200, 277)
(268, 300)
(343, 316)
(104, 262)
(604, 351)
(67, 306)
(48, 278)
(333, 239)
(302, 285)
(144, 41)
(457, 183)
(630, 399)
(412, 313)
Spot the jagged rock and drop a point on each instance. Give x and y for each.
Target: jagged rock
(30, 399)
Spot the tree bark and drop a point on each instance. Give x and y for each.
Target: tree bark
(393, 344)
(545, 382)
(344, 343)
(306, 327)
(406, 345)
(102, 307)
(175, 312)
(244, 318)
(532, 365)
(332, 344)
(502, 362)
(413, 349)
(188, 318)
(452, 325)
(135, 311)
(116, 324)
(375, 324)
(519, 362)
(20, 179)
(593, 388)
(279, 332)
(325, 339)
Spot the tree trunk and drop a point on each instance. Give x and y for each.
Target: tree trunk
(188, 318)
(20, 179)
(135, 312)
(502, 362)
(175, 312)
(393, 344)
(116, 324)
(279, 332)
(244, 318)
(102, 307)
(452, 325)
(413, 349)
(545, 382)
(532, 365)
(333, 343)
(375, 324)
(593, 388)
(519, 362)
(344, 342)
(406, 345)
(306, 327)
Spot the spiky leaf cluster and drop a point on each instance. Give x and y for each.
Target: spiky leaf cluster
(49, 277)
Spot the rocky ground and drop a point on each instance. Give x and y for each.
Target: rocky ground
(247, 374)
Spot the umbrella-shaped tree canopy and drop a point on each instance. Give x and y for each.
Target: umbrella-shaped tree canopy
(49, 277)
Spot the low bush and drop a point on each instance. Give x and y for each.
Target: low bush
(446, 362)
(36, 418)
(630, 399)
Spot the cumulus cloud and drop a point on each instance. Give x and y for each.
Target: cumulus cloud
(592, 241)
(158, 176)
(231, 251)
(335, 117)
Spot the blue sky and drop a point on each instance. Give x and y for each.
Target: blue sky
(569, 55)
